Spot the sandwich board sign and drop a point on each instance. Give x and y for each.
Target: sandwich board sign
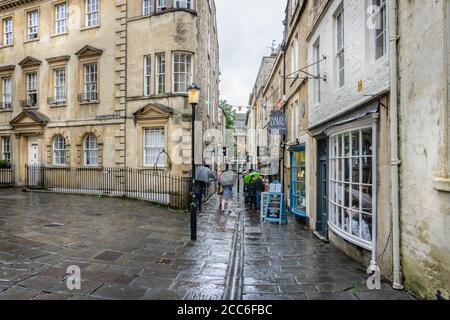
(264, 199)
(274, 208)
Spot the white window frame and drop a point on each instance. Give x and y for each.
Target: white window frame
(6, 92)
(185, 60)
(185, 4)
(61, 18)
(32, 87)
(8, 31)
(59, 85)
(160, 86)
(90, 85)
(147, 75)
(340, 47)
(378, 19)
(294, 55)
(33, 25)
(152, 147)
(317, 84)
(90, 146)
(161, 5)
(147, 7)
(337, 185)
(59, 151)
(6, 148)
(92, 13)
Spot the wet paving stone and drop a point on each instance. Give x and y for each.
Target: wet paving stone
(117, 292)
(109, 256)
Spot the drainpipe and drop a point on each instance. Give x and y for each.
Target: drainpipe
(394, 132)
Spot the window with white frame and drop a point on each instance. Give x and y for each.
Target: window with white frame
(340, 62)
(59, 151)
(161, 5)
(186, 4)
(6, 102)
(59, 82)
(182, 71)
(90, 150)
(61, 18)
(32, 92)
(90, 81)
(91, 13)
(154, 145)
(378, 25)
(6, 149)
(33, 21)
(160, 73)
(147, 74)
(294, 55)
(7, 31)
(351, 185)
(147, 7)
(316, 62)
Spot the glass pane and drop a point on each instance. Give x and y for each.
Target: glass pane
(366, 199)
(366, 142)
(347, 195)
(366, 170)
(355, 143)
(347, 144)
(355, 205)
(347, 170)
(355, 170)
(366, 227)
(355, 223)
(339, 146)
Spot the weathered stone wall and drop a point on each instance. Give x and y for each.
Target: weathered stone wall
(425, 204)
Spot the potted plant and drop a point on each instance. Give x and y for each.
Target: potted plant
(4, 164)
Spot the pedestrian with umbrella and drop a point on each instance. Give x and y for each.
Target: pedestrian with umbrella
(227, 180)
(203, 176)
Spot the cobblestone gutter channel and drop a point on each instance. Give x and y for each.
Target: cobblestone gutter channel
(234, 280)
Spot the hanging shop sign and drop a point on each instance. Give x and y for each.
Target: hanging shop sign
(277, 122)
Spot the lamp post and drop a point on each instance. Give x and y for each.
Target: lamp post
(194, 96)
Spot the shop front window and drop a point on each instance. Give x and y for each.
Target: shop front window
(298, 181)
(351, 186)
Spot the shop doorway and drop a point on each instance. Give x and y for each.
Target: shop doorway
(322, 187)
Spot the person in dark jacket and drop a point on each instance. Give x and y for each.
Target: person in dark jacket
(199, 190)
(251, 189)
(260, 187)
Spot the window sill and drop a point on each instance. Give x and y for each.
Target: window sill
(6, 46)
(57, 105)
(31, 40)
(89, 102)
(90, 28)
(442, 184)
(59, 34)
(6, 110)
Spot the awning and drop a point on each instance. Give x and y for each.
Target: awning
(347, 117)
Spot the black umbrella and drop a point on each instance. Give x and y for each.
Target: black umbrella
(204, 174)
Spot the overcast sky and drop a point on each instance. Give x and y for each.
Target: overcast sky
(246, 30)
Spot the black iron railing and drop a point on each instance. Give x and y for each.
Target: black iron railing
(27, 104)
(88, 97)
(56, 100)
(145, 184)
(5, 105)
(7, 175)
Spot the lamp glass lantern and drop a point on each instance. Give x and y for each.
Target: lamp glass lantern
(193, 94)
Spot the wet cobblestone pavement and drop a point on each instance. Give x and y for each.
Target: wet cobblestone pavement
(131, 250)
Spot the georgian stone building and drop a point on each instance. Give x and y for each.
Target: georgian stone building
(97, 83)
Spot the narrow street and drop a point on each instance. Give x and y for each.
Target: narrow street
(130, 250)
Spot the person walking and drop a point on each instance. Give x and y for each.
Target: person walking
(199, 190)
(260, 188)
(251, 189)
(226, 198)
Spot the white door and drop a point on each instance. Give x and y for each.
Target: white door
(33, 162)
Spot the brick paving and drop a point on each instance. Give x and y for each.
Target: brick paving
(131, 250)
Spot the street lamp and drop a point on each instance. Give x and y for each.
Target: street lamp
(194, 97)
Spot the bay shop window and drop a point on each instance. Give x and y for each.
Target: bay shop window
(352, 175)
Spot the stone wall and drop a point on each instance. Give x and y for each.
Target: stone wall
(425, 204)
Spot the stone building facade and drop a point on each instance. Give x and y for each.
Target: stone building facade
(103, 83)
(423, 65)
